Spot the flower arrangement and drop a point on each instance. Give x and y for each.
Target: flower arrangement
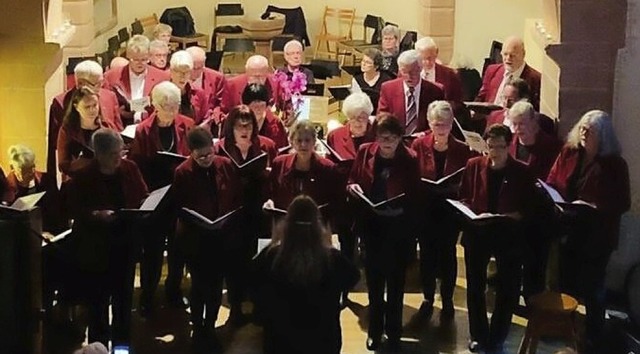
(290, 93)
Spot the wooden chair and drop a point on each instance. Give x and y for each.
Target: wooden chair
(370, 23)
(277, 46)
(148, 23)
(136, 28)
(341, 22)
(552, 315)
(227, 17)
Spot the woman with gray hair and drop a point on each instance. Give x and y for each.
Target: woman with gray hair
(159, 142)
(371, 76)
(439, 155)
(590, 171)
(346, 142)
(103, 248)
(194, 103)
(390, 48)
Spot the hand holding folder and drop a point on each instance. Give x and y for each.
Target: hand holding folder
(256, 161)
(471, 216)
(206, 223)
(561, 204)
(339, 158)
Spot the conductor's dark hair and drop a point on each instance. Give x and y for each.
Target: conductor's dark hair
(498, 130)
(255, 92)
(198, 138)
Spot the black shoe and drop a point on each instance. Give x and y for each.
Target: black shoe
(425, 311)
(344, 301)
(373, 343)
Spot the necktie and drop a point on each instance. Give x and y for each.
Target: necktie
(500, 94)
(412, 112)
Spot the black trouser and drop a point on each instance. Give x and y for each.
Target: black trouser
(176, 262)
(536, 254)
(205, 266)
(112, 286)
(160, 227)
(503, 241)
(387, 246)
(438, 255)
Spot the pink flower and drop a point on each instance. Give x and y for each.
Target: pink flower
(291, 88)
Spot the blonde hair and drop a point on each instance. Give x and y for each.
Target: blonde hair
(161, 28)
(164, 92)
(21, 155)
(600, 121)
(439, 111)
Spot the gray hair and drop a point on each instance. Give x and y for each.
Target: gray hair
(21, 155)
(439, 111)
(409, 57)
(164, 92)
(138, 44)
(105, 141)
(425, 43)
(391, 30)
(302, 127)
(524, 109)
(161, 28)
(181, 60)
(291, 43)
(357, 103)
(158, 44)
(600, 121)
(257, 61)
(197, 53)
(87, 69)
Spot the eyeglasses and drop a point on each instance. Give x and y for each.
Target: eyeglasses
(387, 138)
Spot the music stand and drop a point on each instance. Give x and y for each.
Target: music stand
(214, 59)
(314, 90)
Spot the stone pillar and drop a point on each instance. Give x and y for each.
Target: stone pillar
(80, 13)
(437, 20)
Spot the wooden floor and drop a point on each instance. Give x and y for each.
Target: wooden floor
(167, 332)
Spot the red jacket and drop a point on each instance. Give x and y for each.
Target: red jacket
(457, 155)
(117, 80)
(109, 110)
(273, 128)
(542, 154)
(322, 183)
(263, 144)
(450, 81)
(495, 117)
(74, 150)
(516, 192)
(50, 204)
(214, 85)
(341, 141)
(606, 184)
(392, 100)
(146, 145)
(199, 102)
(235, 87)
(493, 78)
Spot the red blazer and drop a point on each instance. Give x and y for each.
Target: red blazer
(457, 155)
(71, 145)
(50, 204)
(109, 109)
(493, 78)
(199, 102)
(322, 185)
(450, 82)
(263, 144)
(117, 80)
(495, 117)
(403, 178)
(392, 100)
(146, 144)
(606, 185)
(273, 128)
(341, 141)
(214, 85)
(235, 87)
(542, 154)
(516, 192)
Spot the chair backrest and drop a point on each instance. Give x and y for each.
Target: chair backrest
(213, 60)
(149, 22)
(338, 22)
(72, 62)
(408, 41)
(105, 59)
(113, 44)
(228, 14)
(136, 27)
(375, 23)
(123, 35)
(239, 45)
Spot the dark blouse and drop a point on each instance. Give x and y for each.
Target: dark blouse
(382, 170)
(373, 91)
(440, 158)
(494, 183)
(115, 194)
(522, 152)
(168, 138)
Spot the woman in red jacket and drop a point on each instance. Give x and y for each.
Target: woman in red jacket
(80, 121)
(382, 170)
(164, 131)
(256, 96)
(207, 184)
(439, 155)
(241, 143)
(590, 170)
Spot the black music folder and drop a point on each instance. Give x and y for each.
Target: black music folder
(149, 205)
(382, 204)
(454, 177)
(206, 223)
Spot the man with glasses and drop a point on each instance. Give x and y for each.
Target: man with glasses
(87, 73)
(194, 103)
(494, 184)
(133, 83)
(257, 71)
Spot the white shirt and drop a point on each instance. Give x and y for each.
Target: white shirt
(429, 75)
(416, 96)
(137, 90)
(507, 76)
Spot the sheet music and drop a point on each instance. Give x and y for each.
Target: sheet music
(470, 213)
(212, 224)
(27, 202)
(154, 198)
(443, 179)
(553, 193)
(473, 139)
(57, 237)
(377, 205)
(172, 154)
(139, 104)
(129, 131)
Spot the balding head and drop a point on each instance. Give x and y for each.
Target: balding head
(199, 56)
(257, 69)
(513, 53)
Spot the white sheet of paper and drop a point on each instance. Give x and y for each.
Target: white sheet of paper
(139, 104)
(129, 131)
(304, 108)
(154, 198)
(27, 202)
(553, 193)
